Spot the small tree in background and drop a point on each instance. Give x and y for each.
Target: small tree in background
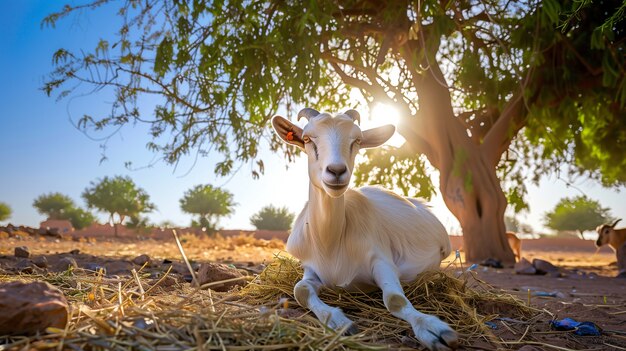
(209, 203)
(137, 222)
(272, 218)
(118, 195)
(5, 211)
(54, 205)
(577, 214)
(80, 218)
(60, 206)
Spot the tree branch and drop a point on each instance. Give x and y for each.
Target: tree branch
(507, 126)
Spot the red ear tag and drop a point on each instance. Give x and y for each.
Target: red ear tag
(290, 136)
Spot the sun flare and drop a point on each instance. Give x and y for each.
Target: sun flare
(382, 114)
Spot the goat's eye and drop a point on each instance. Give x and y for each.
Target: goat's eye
(357, 141)
(306, 139)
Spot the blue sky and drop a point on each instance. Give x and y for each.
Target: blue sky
(41, 151)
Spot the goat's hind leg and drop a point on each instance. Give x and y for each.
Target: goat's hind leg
(429, 330)
(306, 293)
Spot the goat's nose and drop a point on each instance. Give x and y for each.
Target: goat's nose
(337, 169)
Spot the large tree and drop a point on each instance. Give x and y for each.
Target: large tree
(209, 203)
(466, 76)
(579, 214)
(5, 211)
(118, 196)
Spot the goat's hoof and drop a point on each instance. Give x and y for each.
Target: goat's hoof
(448, 339)
(437, 336)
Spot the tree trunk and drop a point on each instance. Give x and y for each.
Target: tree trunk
(476, 199)
(468, 181)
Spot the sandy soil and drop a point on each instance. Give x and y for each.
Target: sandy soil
(586, 291)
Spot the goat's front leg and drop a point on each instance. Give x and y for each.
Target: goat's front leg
(429, 330)
(306, 293)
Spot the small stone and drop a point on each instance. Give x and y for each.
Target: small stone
(118, 267)
(525, 267)
(24, 266)
(75, 252)
(94, 267)
(543, 266)
(40, 261)
(216, 272)
(142, 259)
(65, 263)
(28, 308)
(22, 251)
(492, 262)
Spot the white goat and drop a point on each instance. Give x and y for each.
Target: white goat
(607, 234)
(360, 238)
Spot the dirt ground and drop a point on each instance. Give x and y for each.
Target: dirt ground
(586, 289)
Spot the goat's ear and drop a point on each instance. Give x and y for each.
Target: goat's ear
(287, 131)
(615, 223)
(377, 136)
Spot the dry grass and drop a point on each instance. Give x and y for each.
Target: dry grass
(140, 313)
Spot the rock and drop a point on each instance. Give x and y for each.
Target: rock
(492, 262)
(28, 308)
(40, 261)
(525, 267)
(118, 267)
(65, 263)
(215, 272)
(543, 266)
(142, 259)
(25, 266)
(94, 267)
(22, 251)
(74, 252)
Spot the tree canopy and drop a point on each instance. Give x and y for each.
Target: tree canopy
(224, 68)
(579, 213)
(272, 218)
(5, 211)
(54, 205)
(487, 90)
(209, 203)
(118, 195)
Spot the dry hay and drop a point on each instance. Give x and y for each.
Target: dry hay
(143, 313)
(466, 309)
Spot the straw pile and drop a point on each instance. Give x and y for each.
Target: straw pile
(143, 313)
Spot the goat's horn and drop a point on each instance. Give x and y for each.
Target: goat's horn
(307, 113)
(354, 114)
(615, 223)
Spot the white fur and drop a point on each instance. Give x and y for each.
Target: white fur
(360, 238)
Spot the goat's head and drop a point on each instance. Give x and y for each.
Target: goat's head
(604, 233)
(331, 144)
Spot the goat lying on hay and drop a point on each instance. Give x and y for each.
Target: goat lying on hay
(360, 238)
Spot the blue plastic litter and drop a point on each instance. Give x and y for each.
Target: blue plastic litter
(579, 328)
(472, 267)
(491, 325)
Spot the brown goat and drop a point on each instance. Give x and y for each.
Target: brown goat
(516, 244)
(607, 234)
